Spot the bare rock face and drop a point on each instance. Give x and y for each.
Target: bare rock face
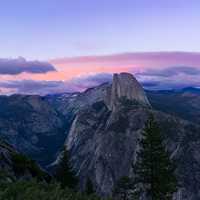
(101, 142)
(125, 85)
(103, 139)
(103, 146)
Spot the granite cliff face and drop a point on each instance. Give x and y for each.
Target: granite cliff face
(103, 139)
(124, 85)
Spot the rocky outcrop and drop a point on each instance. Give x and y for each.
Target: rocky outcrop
(103, 140)
(103, 145)
(70, 104)
(124, 85)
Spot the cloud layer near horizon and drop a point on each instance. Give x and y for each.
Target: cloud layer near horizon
(49, 87)
(158, 70)
(175, 78)
(20, 65)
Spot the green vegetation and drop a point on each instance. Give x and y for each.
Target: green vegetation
(22, 164)
(5, 177)
(154, 177)
(89, 189)
(63, 187)
(64, 173)
(124, 188)
(33, 190)
(154, 171)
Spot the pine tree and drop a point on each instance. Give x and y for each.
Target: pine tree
(64, 173)
(154, 172)
(89, 189)
(123, 188)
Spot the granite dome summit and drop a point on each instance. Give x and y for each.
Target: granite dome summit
(125, 85)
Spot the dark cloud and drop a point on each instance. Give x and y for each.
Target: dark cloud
(172, 71)
(19, 65)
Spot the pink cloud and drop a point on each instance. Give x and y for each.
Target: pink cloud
(69, 68)
(162, 68)
(129, 62)
(161, 58)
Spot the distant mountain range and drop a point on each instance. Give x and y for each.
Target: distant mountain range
(32, 126)
(183, 103)
(101, 126)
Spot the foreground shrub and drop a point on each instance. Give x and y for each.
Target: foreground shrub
(33, 190)
(22, 163)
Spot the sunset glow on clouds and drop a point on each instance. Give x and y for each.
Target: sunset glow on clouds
(71, 45)
(130, 62)
(159, 70)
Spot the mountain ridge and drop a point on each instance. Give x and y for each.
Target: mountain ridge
(103, 143)
(94, 130)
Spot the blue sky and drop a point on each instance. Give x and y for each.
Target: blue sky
(75, 42)
(46, 29)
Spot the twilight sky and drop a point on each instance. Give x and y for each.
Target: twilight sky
(50, 46)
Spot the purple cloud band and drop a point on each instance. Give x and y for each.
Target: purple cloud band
(49, 87)
(153, 79)
(171, 71)
(20, 65)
